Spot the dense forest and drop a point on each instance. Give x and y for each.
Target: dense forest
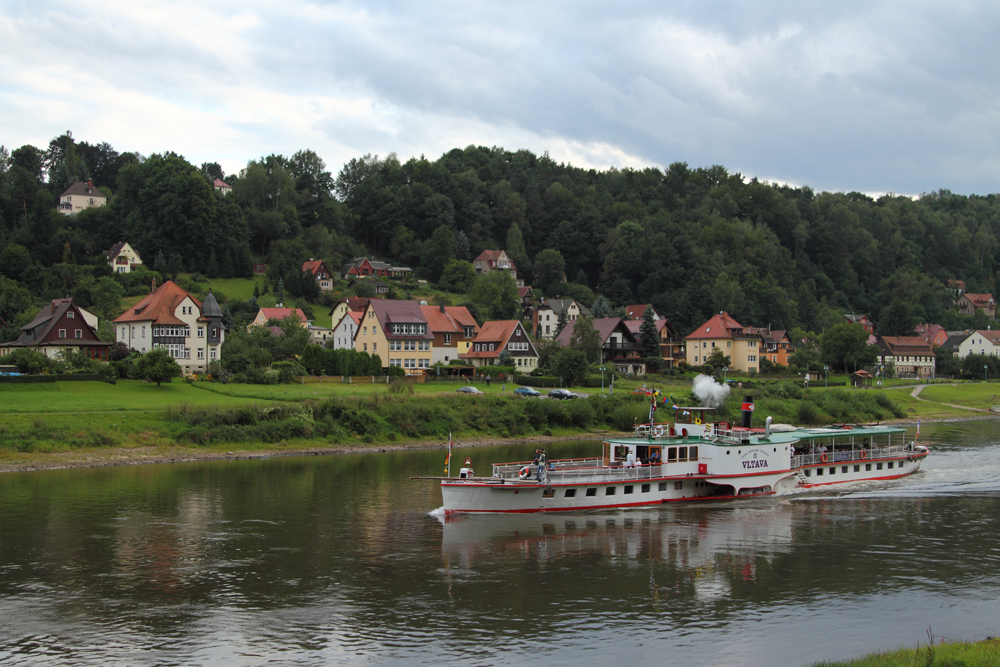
(692, 241)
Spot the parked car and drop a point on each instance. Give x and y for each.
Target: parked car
(468, 390)
(561, 394)
(527, 392)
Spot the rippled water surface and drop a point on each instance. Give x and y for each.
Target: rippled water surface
(339, 559)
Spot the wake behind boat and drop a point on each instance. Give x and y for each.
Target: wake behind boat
(695, 458)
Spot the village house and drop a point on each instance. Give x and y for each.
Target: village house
(345, 330)
(171, 319)
(122, 258)
(985, 342)
(319, 270)
(728, 335)
(80, 196)
(362, 267)
(545, 319)
(381, 288)
(968, 303)
(489, 261)
(933, 334)
(671, 343)
(498, 335)
(861, 320)
(956, 287)
(911, 356)
(638, 311)
(344, 306)
(59, 326)
(259, 268)
(266, 314)
(619, 346)
(397, 331)
(774, 344)
(221, 186)
(453, 327)
(319, 335)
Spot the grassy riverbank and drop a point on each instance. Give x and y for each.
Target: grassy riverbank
(95, 420)
(955, 654)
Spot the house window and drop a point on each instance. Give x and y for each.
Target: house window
(143, 330)
(212, 353)
(425, 346)
(447, 339)
(70, 314)
(201, 332)
(395, 362)
(409, 345)
(394, 345)
(409, 363)
(424, 363)
(123, 333)
(201, 353)
(79, 333)
(62, 333)
(374, 347)
(364, 331)
(364, 346)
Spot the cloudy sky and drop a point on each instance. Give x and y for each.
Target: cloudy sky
(873, 96)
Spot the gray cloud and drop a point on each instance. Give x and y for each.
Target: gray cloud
(859, 96)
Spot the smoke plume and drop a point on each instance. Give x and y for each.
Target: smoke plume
(709, 392)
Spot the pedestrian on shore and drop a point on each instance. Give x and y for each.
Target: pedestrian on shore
(488, 379)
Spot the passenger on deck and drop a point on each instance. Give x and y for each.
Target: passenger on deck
(630, 460)
(542, 460)
(654, 458)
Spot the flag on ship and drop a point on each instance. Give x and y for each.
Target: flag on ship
(652, 409)
(447, 459)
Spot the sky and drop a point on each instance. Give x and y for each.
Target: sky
(900, 97)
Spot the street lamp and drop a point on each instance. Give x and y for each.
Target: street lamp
(602, 379)
(826, 377)
(725, 369)
(986, 373)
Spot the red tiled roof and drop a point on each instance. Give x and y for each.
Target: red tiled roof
(522, 291)
(637, 311)
(453, 320)
(314, 266)
(219, 183)
(906, 345)
(159, 306)
(979, 300)
(720, 326)
(282, 313)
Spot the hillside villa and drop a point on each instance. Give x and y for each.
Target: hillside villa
(968, 303)
(122, 258)
(489, 261)
(933, 334)
(58, 326)
(80, 196)
(264, 315)
(861, 320)
(362, 267)
(774, 344)
(171, 319)
(619, 346)
(319, 271)
(545, 319)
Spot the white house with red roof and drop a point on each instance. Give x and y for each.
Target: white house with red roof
(346, 329)
(322, 274)
(985, 342)
(173, 320)
(638, 311)
(724, 333)
(221, 186)
(494, 337)
(454, 329)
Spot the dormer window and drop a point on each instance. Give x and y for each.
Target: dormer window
(70, 314)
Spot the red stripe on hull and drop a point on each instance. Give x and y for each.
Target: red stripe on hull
(850, 481)
(588, 508)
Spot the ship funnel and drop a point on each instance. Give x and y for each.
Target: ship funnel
(767, 427)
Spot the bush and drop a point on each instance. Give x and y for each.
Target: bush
(807, 413)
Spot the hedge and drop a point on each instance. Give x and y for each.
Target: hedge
(27, 379)
(548, 382)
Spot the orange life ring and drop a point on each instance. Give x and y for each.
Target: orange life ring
(822, 458)
(864, 454)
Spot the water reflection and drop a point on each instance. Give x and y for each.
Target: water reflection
(338, 559)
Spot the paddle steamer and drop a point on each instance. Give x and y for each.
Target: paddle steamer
(695, 458)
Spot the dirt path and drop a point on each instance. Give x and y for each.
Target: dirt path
(919, 388)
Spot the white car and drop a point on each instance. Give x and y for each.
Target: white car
(468, 390)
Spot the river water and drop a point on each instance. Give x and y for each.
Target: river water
(340, 560)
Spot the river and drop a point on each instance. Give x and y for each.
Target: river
(339, 559)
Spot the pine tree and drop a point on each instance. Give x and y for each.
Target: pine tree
(160, 265)
(561, 322)
(279, 292)
(648, 337)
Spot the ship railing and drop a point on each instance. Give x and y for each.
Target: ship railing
(513, 470)
(581, 474)
(800, 460)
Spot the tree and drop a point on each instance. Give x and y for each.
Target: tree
(279, 291)
(561, 321)
(364, 289)
(505, 358)
(649, 338)
(458, 276)
(602, 308)
(586, 338)
(549, 268)
(462, 247)
(496, 294)
(571, 365)
(438, 251)
(157, 366)
(845, 347)
(718, 359)
(106, 296)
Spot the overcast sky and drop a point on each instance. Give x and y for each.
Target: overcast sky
(870, 96)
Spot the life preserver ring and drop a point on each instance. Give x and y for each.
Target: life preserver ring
(524, 472)
(822, 458)
(864, 454)
(697, 421)
(659, 431)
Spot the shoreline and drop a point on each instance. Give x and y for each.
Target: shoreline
(118, 456)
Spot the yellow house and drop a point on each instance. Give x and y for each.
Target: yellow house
(724, 333)
(396, 331)
(79, 196)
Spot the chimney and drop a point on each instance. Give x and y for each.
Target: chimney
(90, 183)
(441, 307)
(153, 289)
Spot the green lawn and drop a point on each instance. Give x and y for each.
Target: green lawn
(88, 397)
(970, 394)
(968, 654)
(232, 288)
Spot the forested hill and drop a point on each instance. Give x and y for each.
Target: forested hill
(691, 241)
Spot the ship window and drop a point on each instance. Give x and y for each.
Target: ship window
(890, 465)
(878, 466)
(819, 472)
(662, 486)
(868, 467)
(678, 485)
(609, 490)
(645, 488)
(857, 468)
(692, 453)
(570, 493)
(671, 454)
(833, 470)
(628, 489)
(808, 473)
(549, 493)
(682, 454)
(844, 470)
(591, 492)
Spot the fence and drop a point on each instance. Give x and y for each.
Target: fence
(355, 379)
(28, 379)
